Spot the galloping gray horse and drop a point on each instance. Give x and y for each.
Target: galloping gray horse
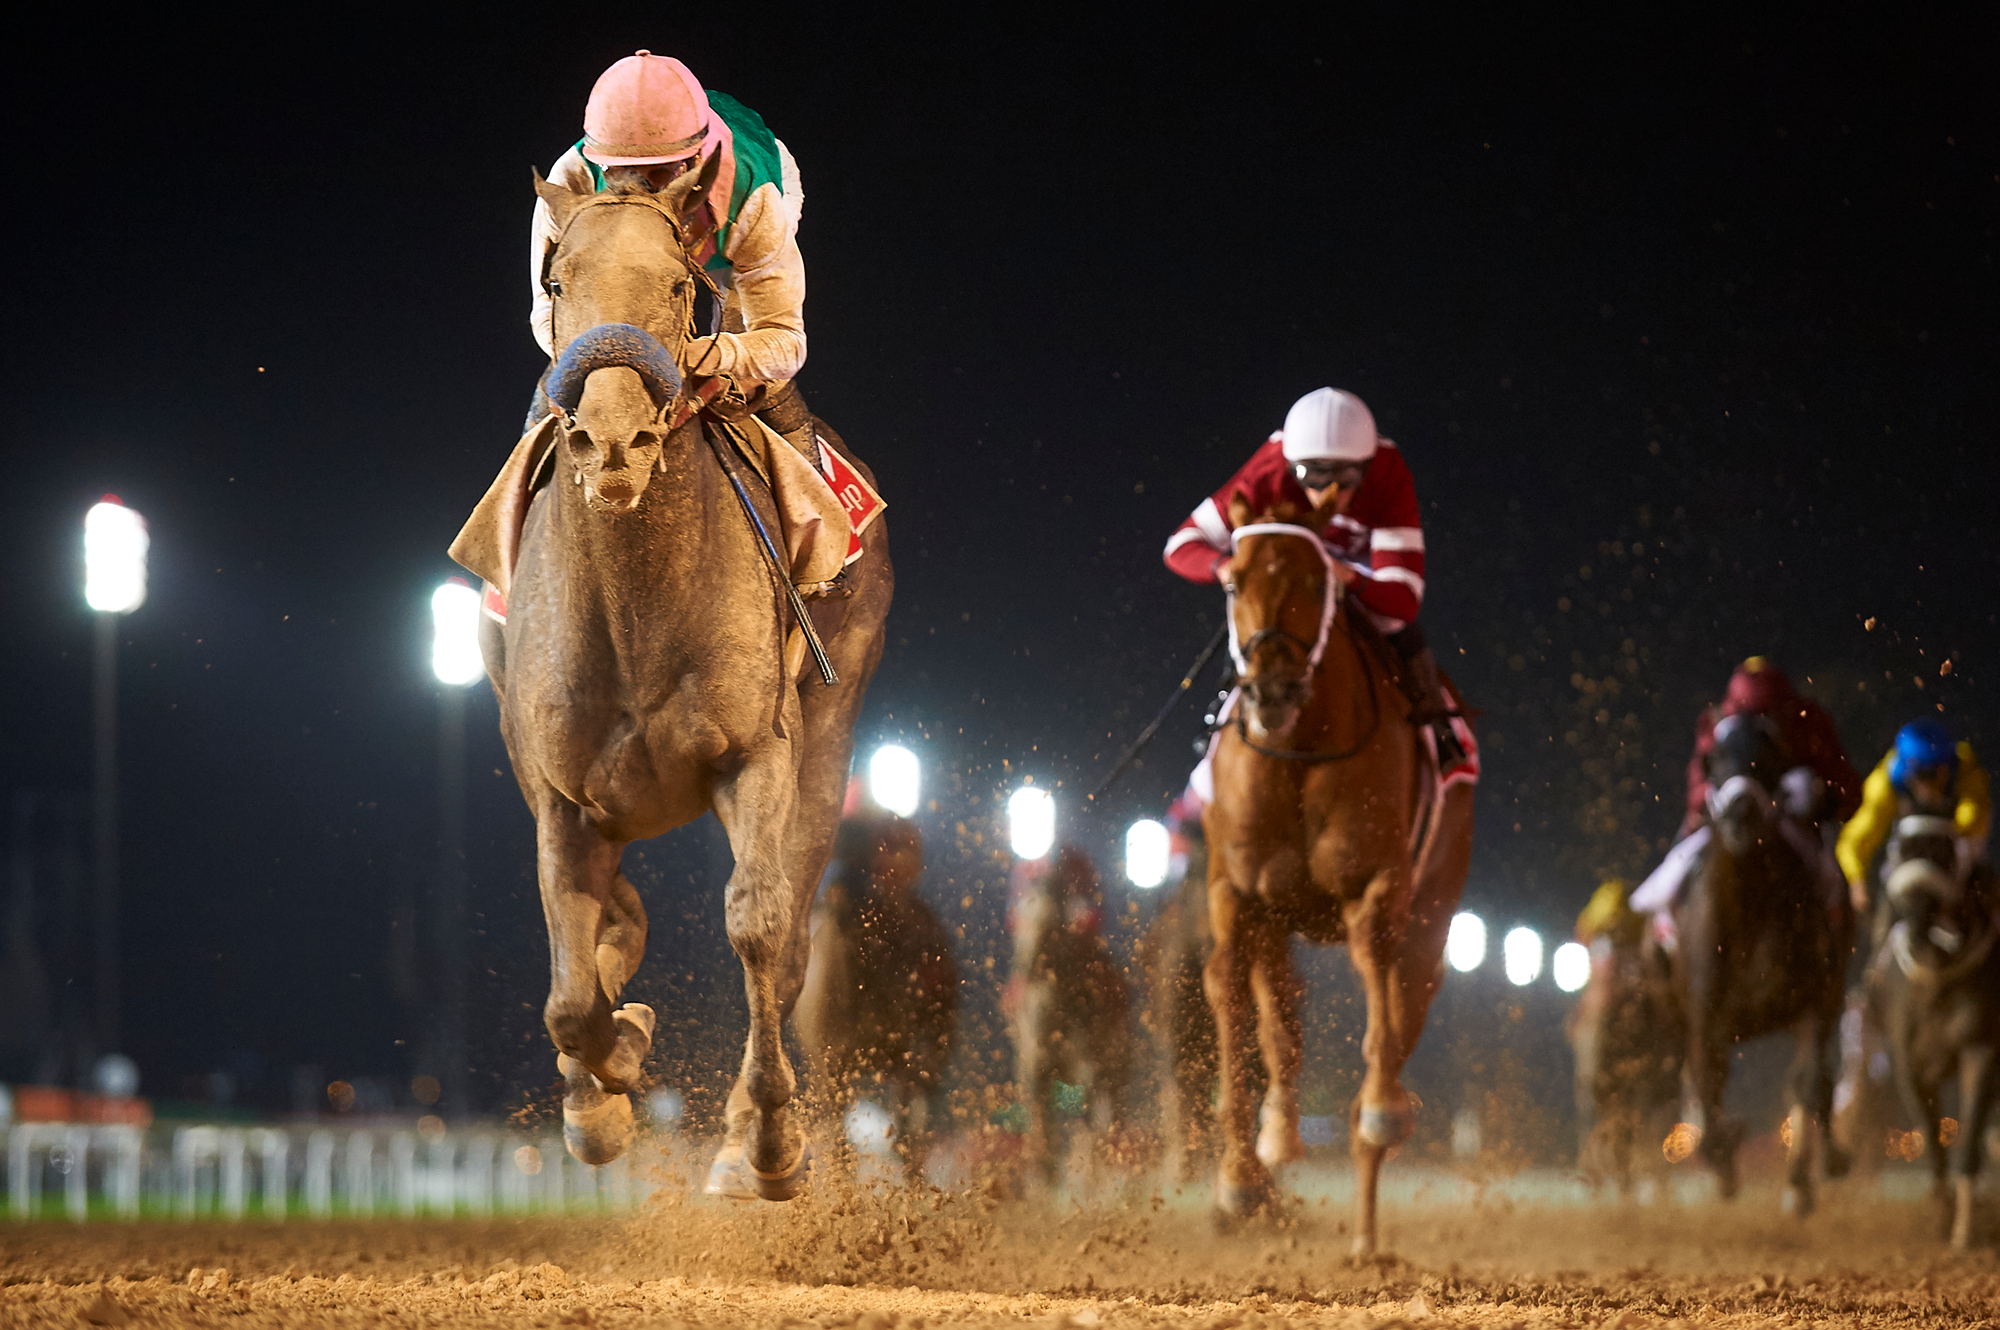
(642, 682)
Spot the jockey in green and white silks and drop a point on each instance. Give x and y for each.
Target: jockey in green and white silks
(648, 112)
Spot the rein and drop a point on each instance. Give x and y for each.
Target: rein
(1329, 613)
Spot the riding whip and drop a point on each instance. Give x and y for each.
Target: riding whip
(813, 644)
(1146, 735)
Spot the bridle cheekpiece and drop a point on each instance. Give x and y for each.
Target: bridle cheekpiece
(1239, 652)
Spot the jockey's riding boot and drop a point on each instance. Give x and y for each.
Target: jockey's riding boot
(785, 411)
(1425, 690)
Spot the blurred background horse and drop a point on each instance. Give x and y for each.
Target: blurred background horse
(1763, 945)
(1936, 987)
(1629, 1039)
(880, 1008)
(1171, 957)
(1070, 1006)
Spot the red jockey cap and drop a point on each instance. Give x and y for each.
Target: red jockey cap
(644, 110)
(1757, 688)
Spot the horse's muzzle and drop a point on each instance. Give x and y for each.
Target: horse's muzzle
(1271, 704)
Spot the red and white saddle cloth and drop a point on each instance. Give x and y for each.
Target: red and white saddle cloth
(822, 511)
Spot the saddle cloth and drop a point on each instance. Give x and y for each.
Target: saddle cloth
(821, 511)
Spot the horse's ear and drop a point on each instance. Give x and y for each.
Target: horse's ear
(686, 188)
(1239, 510)
(563, 202)
(1326, 510)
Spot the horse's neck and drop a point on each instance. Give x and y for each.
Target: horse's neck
(665, 541)
(1341, 708)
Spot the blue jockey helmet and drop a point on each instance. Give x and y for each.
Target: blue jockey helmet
(1922, 745)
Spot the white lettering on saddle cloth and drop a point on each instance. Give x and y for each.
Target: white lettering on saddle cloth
(856, 495)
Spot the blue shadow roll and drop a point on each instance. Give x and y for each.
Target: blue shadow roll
(608, 346)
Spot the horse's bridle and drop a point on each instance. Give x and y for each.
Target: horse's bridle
(604, 198)
(1315, 651)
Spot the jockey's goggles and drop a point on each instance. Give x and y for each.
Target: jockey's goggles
(1325, 473)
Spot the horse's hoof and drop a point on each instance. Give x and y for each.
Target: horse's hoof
(1797, 1202)
(731, 1175)
(639, 1016)
(1278, 1140)
(597, 1127)
(1386, 1127)
(633, 1027)
(1238, 1201)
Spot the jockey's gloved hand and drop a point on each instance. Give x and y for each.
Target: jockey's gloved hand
(704, 357)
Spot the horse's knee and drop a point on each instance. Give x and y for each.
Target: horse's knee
(759, 924)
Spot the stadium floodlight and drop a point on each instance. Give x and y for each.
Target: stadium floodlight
(1465, 944)
(1147, 850)
(893, 779)
(1521, 952)
(1031, 822)
(1571, 966)
(455, 655)
(114, 557)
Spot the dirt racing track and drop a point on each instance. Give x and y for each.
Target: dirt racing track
(842, 1257)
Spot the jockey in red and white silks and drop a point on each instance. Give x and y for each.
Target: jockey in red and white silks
(1329, 449)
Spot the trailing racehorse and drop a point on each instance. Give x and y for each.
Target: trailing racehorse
(642, 680)
(1320, 827)
(1937, 987)
(880, 1006)
(1629, 1039)
(1070, 1004)
(1764, 940)
(1172, 955)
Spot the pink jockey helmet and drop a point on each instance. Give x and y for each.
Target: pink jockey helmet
(644, 110)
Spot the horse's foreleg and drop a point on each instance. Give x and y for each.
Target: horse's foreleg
(1382, 1115)
(1375, 925)
(1243, 1184)
(1976, 1086)
(601, 1049)
(1709, 1043)
(1281, 1033)
(761, 912)
(1809, 1089)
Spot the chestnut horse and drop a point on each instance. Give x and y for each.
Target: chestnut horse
(1319, 827)
(643, 682)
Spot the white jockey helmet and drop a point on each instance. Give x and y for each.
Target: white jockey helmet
(1329, 425)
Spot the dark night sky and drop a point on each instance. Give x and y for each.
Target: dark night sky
(1722, 291)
